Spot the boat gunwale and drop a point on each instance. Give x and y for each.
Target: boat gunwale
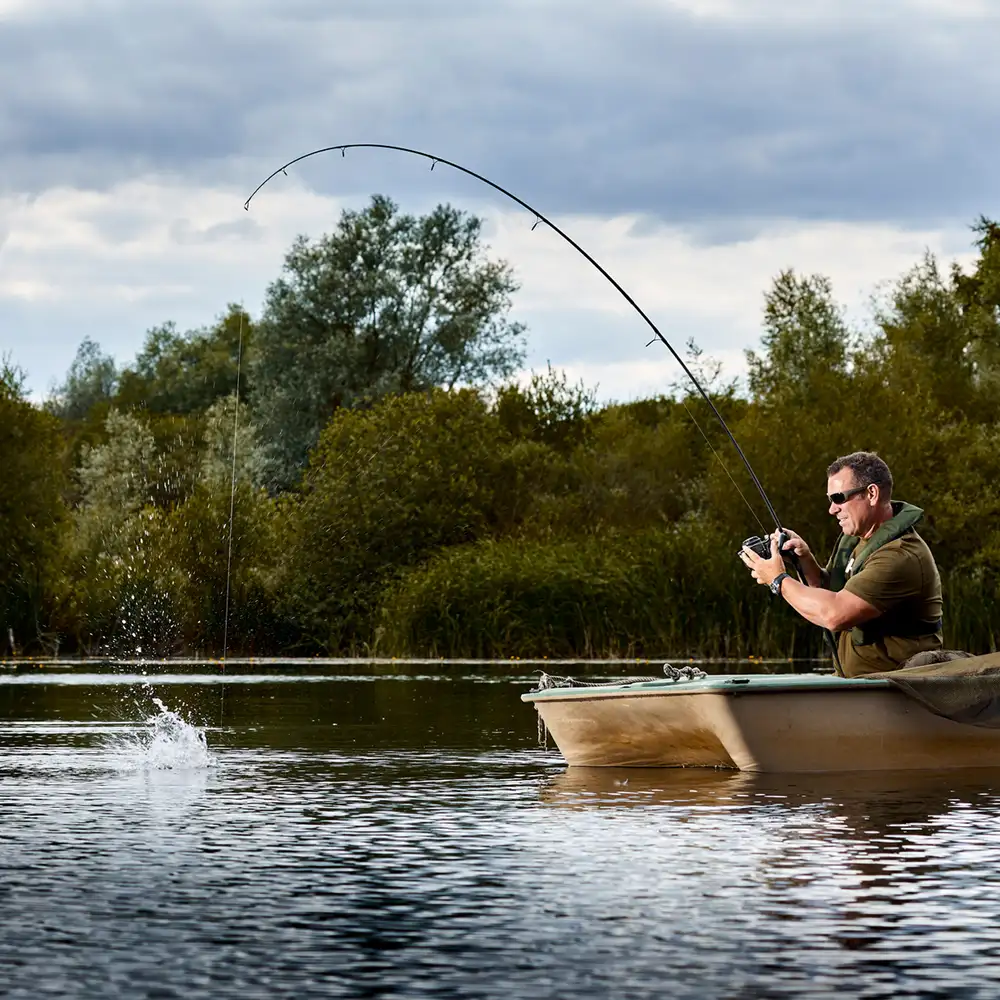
(730, 685)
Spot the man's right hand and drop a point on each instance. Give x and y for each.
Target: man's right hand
(796, 545)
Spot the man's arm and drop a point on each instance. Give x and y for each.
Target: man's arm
(834, 610)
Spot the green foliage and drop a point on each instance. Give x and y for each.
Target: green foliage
(12, 379)
(385, 488)
(387, 303)
(923, 342)
(805, 340)
(186, 373)
(144, 577)
(803, 413)
(443, 521)
(32, 515)
(115, 602)
(90, 383)
(548, 409)
(640, 464)
(634, 595)
(195, 544)
(231, 445)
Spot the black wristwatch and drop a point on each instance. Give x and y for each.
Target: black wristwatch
(776, 583)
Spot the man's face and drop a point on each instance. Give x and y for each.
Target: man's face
(856, 514)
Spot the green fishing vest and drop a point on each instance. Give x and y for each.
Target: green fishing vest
(904, 519)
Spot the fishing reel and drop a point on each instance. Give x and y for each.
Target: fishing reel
(762, 546)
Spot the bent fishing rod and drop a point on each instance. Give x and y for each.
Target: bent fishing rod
(541, 218)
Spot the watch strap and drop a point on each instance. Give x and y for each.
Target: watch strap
(776, 582)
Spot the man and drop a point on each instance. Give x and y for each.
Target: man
(880, 591)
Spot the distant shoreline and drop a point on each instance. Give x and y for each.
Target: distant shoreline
(381, 661)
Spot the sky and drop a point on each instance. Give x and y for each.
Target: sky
(694, 147)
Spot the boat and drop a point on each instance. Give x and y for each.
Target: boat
(781, 723)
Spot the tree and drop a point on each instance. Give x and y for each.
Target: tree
(547, 409)
(802, 414)
(148, 567)
(805, 338)
(978, 296)
(119, 593)
(32, 515)
(923, 342)
(197, 540)
(387, 303)
(91, 380)
(229, 428)
(186, 373)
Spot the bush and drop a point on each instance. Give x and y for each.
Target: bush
(195, 544)
(385, 488)
(653, 593)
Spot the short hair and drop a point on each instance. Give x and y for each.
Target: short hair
(868, 470)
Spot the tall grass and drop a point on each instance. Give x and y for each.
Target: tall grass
(661, 592)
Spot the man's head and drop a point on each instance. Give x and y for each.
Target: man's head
(859, 487)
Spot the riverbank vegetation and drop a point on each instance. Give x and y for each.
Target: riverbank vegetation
(398, 494)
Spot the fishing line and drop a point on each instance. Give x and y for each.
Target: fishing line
(725, 468)
(539, 218)
(232, 493)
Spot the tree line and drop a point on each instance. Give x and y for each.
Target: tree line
(392, 491)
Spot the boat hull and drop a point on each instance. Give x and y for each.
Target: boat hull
(799, 723)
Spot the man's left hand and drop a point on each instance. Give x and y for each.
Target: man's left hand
(764, 570)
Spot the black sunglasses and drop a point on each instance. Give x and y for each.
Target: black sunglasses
(839, 498)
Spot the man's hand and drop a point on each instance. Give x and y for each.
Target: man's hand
(765, 570)
(796, 545)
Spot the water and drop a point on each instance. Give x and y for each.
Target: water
(400, 835)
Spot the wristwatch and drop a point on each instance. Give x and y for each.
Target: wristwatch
(776, 583)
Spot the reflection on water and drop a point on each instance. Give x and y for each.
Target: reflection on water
(362, 836)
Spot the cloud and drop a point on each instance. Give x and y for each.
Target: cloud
(680, 111)
(112, 264)
(694, 146)
(186, 233)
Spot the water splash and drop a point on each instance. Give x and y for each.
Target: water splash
(165, 742)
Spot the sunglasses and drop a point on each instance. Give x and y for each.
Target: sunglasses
(839, 498)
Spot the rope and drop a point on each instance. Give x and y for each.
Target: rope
(547, 682)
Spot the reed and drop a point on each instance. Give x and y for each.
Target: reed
(660, 592)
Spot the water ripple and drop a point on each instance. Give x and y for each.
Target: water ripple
(347, 843)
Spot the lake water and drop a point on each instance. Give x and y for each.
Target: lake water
(398, 833)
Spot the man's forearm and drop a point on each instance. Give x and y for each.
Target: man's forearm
(816, 605)
(812, 572)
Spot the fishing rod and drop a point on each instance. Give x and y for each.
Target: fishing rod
(540, 218)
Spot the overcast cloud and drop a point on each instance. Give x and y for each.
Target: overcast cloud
(698, 145)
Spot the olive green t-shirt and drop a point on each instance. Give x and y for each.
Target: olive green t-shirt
(901, 580)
